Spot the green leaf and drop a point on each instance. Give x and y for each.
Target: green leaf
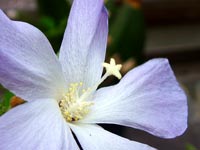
(190, 147)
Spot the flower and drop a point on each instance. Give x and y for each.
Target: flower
(62, 93)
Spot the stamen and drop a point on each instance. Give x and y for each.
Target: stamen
(74, 107)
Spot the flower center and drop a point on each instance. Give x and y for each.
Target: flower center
(75, 104)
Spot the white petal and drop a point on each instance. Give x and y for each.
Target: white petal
(147, 98)
(28, 65)
(93, 137)
(36, 125)
(83, 48)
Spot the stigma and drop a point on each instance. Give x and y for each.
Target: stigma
(76, 103)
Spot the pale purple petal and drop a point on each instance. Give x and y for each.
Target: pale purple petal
(147, 98)
(93, 137)
(28, 65)
(84, 44)
(36, 125)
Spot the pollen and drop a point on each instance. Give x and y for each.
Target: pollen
(73, 106)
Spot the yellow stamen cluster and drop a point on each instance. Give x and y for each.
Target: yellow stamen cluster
(72, 106)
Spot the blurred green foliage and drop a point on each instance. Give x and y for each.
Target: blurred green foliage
(4, 100)
(190, 147)
(127, 30)
(57, 10)
(52, 20)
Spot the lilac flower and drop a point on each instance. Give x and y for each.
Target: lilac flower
(62, 93)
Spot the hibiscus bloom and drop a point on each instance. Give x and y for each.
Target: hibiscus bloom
(62, 94)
